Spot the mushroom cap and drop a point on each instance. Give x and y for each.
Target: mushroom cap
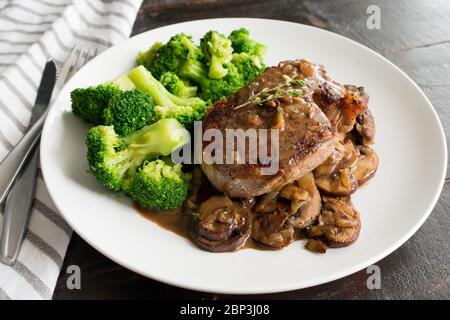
(308, 212)
(273, 229)
(365, 126)
(223, 225)
(334, 176)
(339, 224)
(366, 165)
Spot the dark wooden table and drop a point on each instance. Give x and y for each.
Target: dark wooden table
(415, 35)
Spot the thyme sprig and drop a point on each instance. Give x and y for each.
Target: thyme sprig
(280, 90)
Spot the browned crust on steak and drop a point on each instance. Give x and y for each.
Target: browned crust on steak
(306, 139)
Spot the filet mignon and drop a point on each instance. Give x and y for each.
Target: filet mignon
(305, 133)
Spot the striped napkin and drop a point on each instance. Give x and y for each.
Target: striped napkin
(31, 32)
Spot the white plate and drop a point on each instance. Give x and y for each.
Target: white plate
(410, 143)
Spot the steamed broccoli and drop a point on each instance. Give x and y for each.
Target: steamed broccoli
(213, 89)
(241, 42)
(249, 66)
(241, 67)
(159, 185)
(90, 103)
(177, 86)
(116, 103)
(214, 66)
(185, 109)
(170, 56)
(128, 111)
(218, 52)
(113, 160)
(146, 57)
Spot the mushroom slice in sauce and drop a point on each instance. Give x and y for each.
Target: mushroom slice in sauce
(273, 229)
(305, 212)
(316, 245)
(367, 164)
(334, 177)
(365, 126)
(223, 225)
(339, 224)
(300, 199)
(267, 203)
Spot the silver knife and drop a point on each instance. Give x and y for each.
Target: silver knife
(20, 199)
(11, 164)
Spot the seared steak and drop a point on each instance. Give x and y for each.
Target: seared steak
(275, 99)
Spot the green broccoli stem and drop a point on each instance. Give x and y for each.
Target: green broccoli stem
(158, 139)
(190, 91)
(216, 68)
(194, 70)
(192, 48)
(144, 81)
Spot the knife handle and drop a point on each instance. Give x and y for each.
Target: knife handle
(14, 161)
(17, 209)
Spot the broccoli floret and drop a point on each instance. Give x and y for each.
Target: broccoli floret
(159, 185)
(113, 160)
(116, 103)
(249, 66)
(129, 111)
(185, 109)
(170, 56)
(241, 42)
(218, 52)
(213, 89)
(89, 103)
(177, 86)
(146, 57)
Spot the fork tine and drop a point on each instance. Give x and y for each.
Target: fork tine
(73, 62)
(65, 69)
(79, 62)
(94, 54)
(91, 53)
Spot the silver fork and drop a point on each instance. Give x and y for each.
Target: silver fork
(20, 199)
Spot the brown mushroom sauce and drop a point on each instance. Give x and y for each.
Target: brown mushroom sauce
(317, 207)
(217, 223)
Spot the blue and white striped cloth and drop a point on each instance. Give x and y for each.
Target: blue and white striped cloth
(31, 32)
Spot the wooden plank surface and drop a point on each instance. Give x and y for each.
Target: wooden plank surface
(415, 35)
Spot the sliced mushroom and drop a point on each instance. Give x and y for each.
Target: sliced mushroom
(326, 198)
(367, 164)
(316, 245)
(222, 225)
(297, 196)
(308, 211)
(365, 126)
(267, 203)
(248, 202)
(334, 177)
(273, 229)
(339, 224)
(300, 199)
(342, 183)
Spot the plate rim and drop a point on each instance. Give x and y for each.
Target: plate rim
(272, 288)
